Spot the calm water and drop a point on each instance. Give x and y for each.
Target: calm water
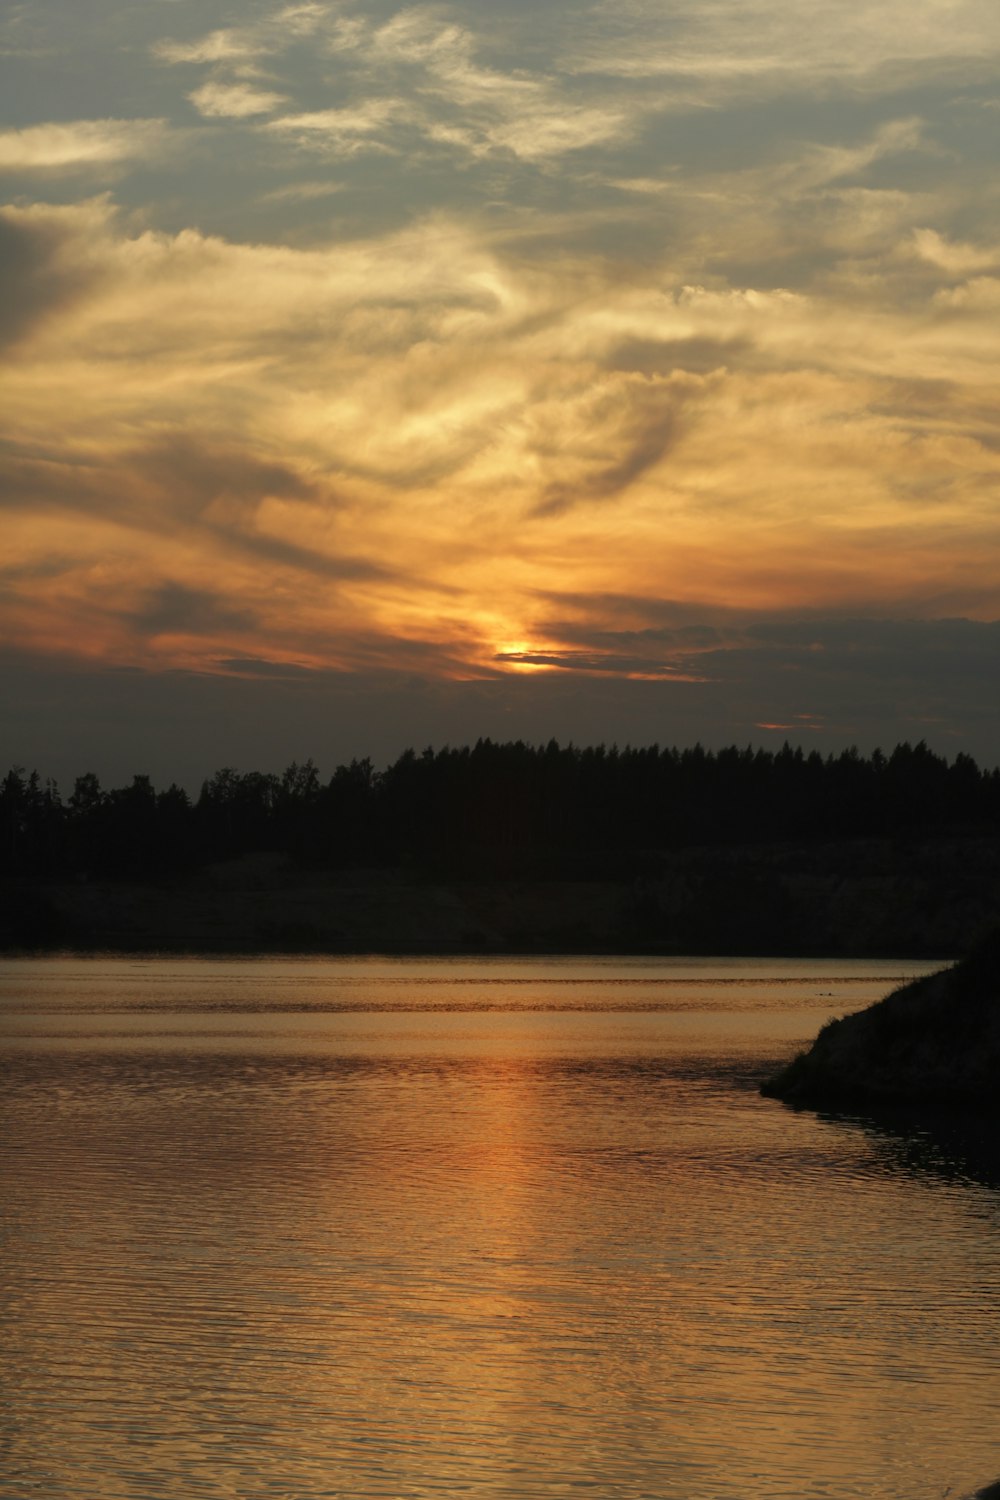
(485, 1229)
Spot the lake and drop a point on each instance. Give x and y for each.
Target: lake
(497, 1228)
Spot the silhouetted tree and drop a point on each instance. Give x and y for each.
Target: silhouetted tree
(494, 809)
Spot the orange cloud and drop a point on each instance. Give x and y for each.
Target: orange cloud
(394, 447)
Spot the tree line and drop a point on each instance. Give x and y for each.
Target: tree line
(493, 809)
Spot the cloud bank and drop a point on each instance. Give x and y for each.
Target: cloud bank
(453, 342)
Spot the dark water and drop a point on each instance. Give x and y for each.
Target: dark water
(501, 1229)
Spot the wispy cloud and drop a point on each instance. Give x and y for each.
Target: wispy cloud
(239, 44)
(951, 256)
(437, 427)
(82, 144)
(713, 51)
(602, 664)
(339, 131)
(302, 192)
(612, 302)
(821, 165)
(531, 114)
(234, 100)
(217, 46)
(173, 609)
(418, 68)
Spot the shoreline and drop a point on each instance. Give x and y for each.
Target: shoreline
(844, 899)
(440, 951)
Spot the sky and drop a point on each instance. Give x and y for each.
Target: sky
(377, 375)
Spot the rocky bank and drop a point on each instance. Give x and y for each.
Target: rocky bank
(933, 1044)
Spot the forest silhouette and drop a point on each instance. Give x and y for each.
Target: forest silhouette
(493, 810)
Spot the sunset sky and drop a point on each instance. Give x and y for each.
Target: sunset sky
(380, 374)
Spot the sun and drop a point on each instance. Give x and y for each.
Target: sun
(512, 654)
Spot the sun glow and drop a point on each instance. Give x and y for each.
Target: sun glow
(679, 417)
(514, 656)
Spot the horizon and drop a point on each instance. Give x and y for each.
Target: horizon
(325, 772)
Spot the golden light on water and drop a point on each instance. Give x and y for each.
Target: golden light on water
(407, 1226)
